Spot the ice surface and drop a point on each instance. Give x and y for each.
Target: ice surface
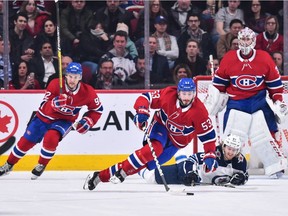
(61, 193)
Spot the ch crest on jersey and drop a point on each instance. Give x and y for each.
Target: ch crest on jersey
(178, 130)
(69, 110)
(247, 82)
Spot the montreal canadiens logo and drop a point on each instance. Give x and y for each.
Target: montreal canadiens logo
(8, 121)
(246, 82)
(175, 129)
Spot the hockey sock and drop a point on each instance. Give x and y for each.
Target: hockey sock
(50, 143)
(134, 163)
(19, 150)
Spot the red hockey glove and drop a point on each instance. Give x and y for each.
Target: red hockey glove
(84, 125)
(209, 162)
(141, 118)
(61, 101)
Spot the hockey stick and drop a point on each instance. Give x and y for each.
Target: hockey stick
(59, 46)
(228, 185)
(7, 145)
(161, 172)
(216, 116)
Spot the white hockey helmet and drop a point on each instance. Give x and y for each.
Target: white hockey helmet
(233, 141)
(246, 40)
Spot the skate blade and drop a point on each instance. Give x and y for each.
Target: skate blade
(85, 186)
(34, 177)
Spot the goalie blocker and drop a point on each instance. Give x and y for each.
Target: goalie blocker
(262, 142)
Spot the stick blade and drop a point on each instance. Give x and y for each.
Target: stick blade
(7, 145)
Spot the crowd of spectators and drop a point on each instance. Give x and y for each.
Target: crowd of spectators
(107, 38)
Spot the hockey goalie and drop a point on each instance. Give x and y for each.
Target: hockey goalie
(242, 82)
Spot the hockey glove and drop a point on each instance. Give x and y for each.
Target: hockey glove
(190, 178)
(84, 125)
(209, 162)
(239, 179)
(280, 111)
(221, 180)
(141, 118)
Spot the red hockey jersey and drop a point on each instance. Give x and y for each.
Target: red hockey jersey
(84, 95)
(243, 78)
(183, 124)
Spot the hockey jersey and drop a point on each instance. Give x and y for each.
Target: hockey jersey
(244, 78)
(182, 124)
(84, 95)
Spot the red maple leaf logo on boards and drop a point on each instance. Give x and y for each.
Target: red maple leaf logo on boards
(4, 122)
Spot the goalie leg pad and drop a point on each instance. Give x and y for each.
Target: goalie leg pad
(265, 146)
(238, 124)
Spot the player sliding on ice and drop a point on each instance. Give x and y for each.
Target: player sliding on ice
(55, 117)
(180, 116)
(248, 76)
(232, 167)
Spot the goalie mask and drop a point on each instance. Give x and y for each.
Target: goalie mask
(231, 146)
(247, 40)
(186, 91)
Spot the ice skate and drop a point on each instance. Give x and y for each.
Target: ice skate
(277, 175)
(37, 171)
(6, 169)
(92, 181)
(118, 177)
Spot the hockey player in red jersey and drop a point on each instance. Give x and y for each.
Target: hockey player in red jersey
(180, 116)
(249, 76)
(55, 117)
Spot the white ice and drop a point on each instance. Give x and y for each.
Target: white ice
(61, 193)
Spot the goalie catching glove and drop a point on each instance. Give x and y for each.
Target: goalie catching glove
(141, 118)
(210, 163)
(83, 125)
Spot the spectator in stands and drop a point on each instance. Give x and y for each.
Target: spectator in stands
(167, 44)
(159, 67)
(124, 65)
(23, 78)
(36, 18)
(223, 18)
(65, 61)
(224, 42)
(47, 35)
(255, 18)
(270, 40)
(2, 64)
(234, 44)
(178, 16)
(208, 15)
(278, 59)
(193, 31)
(75, 19)
(181, 71)
(44, 65)
(131, 47)
(93, 45)
(196, 64)
(112, 14)
(209, 66)
(156, 9)
(106, 78)
(137, 79)
(22, 44)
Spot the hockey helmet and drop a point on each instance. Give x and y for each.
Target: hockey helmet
(247, 40)
(233, 141)
(74, 68)
(186, 84)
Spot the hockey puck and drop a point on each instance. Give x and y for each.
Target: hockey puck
(190, 194)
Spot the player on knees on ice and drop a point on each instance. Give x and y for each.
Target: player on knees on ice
(232, 167)
(179, 117)
(54, 118)
(248, 76)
